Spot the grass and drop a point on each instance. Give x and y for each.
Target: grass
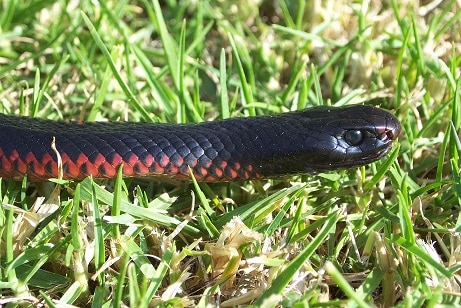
(385, 234)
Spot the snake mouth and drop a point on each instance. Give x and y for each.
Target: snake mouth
(377, 154)
(383, 144)
(372, 157)
(386, 140)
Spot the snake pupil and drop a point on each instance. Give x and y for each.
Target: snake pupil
(353, 137)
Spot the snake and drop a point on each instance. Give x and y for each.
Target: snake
(308, 141)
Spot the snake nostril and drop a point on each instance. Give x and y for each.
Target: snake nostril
(393, 129)
(386, 135)
(393, 132)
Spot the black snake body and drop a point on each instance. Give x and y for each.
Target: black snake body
(312, 140)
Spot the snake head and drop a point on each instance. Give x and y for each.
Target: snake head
(357, 136)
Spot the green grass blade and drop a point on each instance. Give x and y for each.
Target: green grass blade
(288, 273)
(114, 69)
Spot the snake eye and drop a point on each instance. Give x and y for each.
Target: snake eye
(353, 137)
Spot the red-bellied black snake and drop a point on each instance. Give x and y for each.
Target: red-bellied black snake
(307, 141)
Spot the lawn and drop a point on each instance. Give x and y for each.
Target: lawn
(386, 234)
